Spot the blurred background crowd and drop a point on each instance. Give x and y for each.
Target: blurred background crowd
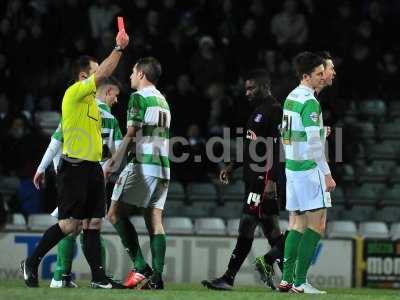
(206, 47)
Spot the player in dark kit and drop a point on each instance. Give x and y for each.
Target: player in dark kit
(260, 171)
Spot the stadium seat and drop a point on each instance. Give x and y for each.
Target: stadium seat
(232, 227)
(394, 109)
(16, 222)
(335, 212)
(338, 195)
(283, 225)
(40, 222)
(196, 210)
(176, 192)
(348, 172)
(366, 130)
(107, 227)
(212, 226)
(358, 213)
(341, 229)
(48, 120)
(228, 211)
(383, 150)
(377, 171)
(373, 109)
(233, 192)
(391, 196)
(139, 223)
(388, 214)
(395, 176)
(366, 194)
(202, 192)
(390, 130)
(374, 230)
(178, 225)
(395, 231)
(237, 174)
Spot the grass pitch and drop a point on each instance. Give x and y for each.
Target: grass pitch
(16, 289)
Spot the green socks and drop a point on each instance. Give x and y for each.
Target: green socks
(290, 254)
(65, 253)
(305, 254)
(130, 240)
(158, 247)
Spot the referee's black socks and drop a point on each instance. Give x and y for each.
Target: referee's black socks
(92, 245)
(50, 238)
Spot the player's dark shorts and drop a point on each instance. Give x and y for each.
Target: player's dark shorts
(254, 205)
(81, 190)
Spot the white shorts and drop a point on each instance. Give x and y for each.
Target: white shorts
(140, 190)
(305, 190)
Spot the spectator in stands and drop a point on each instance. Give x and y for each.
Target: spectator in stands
(207, 66)
(196, 166)
(221, 109)
(21, 148)
(4, 113)
(101, 14)
(187, 106)
(388, 69)
(246, 45)
(289, 27)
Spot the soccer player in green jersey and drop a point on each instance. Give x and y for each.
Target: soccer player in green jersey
(309, 180)
(144, 181)
(106, 96)
(328, 77)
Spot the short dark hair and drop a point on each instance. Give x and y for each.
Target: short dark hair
(324, 54)
(260, 77)
(111, 81)
(151, 67)
(306, 62)
(81, 64)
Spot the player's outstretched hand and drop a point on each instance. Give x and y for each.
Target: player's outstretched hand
(38, 180)
(330, 183)
(122, 39)
(224, 175)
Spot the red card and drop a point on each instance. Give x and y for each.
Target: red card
(121, 25)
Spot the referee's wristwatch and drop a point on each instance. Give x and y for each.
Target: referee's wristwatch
(118, 48)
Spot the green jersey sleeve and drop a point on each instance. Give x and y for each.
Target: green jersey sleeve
(117, 131)
(57, 134)
(310, 114)
(136, 111)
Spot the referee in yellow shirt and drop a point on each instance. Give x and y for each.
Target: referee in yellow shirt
(80, 176)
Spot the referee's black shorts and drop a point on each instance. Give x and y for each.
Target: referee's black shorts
(81, 190)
